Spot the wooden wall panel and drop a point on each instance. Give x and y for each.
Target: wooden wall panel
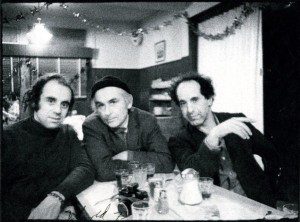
(165, 72)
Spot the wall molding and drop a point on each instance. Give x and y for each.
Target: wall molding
(61, 51)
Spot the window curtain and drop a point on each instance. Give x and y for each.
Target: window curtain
(234, 64)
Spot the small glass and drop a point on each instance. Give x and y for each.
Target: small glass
(140, 176)
(205, 185)
(290, 210)
(133, 165)
(150, 169)
(140, 210)
(162, 206)
(154, 185)
(123, 178)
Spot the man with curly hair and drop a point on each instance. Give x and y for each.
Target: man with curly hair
(221, 145)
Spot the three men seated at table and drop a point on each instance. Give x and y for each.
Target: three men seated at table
(221, 145)
(117, 132)
(43, 162)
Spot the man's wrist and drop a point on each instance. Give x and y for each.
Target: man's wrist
(57, 195)
(212, 142)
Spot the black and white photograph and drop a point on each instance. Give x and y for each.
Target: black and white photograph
(150, 111)
(160, 51)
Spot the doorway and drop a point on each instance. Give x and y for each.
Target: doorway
(281, 90)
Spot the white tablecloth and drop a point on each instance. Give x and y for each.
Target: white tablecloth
(230, 206)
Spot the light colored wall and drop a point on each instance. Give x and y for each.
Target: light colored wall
(197, 7)
(113, 51)
(175, 35)
(14, 35)
(119, 52)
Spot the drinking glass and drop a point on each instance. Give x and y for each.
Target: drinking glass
(140, 176)
(155, 184)
(150, 169)
(140, 210)
(133, 165)
(205, 186)
(123, 177)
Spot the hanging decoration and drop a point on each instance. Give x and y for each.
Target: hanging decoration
(140, 31)
(247, 10)
(31, 12)
(86, 21)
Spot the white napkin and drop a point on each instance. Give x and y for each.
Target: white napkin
(100, 191)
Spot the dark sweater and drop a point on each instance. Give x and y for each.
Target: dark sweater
(36, 161)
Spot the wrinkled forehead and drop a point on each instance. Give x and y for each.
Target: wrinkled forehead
(188, 89)
(56, 90)
(106, 94)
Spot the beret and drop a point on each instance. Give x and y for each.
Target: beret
(108, 81)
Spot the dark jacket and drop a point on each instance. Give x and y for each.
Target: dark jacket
(189, 151)
(144, 138)
(36, 161)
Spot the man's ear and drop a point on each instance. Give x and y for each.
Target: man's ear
(93, 106)
(210, 101)
(129, 100)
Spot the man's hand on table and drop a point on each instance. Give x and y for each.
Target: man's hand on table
(48, 209)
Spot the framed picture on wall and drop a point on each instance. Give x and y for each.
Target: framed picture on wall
(160, 51)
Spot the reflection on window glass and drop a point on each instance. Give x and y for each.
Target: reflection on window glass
(47, 65)
(73, 70)
(16, 74)
(69, 70)
(83, 77)
(33, 70)
(6, 75)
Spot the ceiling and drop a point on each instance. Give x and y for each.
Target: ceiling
(133, 13)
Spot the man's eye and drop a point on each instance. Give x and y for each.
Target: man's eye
(113, 102)
(65, 105)
(181, 103)
(51, 100)
(99, 105)
(195, 100)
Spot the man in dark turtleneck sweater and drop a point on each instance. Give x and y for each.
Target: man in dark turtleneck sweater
(43, 163)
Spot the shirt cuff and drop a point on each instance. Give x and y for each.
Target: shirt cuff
(130, 155)
(211, 147)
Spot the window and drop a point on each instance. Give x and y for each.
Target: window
(73, 70)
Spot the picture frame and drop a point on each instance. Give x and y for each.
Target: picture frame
(160, 51)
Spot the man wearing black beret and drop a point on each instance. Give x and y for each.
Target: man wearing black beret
(117, 132)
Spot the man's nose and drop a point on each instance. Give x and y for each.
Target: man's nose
(189, 107)
(57, 109)
(106, 111)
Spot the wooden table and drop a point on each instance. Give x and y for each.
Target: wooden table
(231, 206)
